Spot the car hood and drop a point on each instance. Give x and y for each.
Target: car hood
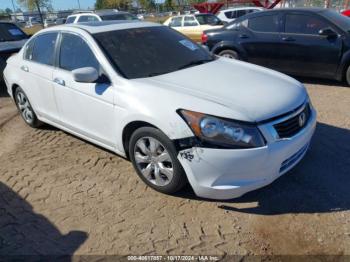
(256, 92)
(12, 45)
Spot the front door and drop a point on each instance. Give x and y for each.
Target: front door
(304, 50)
(85, 108)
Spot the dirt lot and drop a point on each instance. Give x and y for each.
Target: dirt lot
(61, 195)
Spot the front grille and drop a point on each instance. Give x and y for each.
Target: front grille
(292, 126)
(293, 159)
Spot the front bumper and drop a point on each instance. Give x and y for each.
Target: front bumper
(230, 173)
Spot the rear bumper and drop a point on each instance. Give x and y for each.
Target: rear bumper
(226, 174)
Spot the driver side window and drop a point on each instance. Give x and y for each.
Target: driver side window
(75, 53)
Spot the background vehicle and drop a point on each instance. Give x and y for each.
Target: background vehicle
(232, 14)
(49, 22)
(99, 83)
(12, 38)
(346, 12)
(60, 21)
(101, 15)
(304, 42)
(194, 25)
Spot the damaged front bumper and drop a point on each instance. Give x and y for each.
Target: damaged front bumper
(230, 173)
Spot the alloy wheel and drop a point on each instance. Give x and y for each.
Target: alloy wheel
(154, 161)
(24, 107)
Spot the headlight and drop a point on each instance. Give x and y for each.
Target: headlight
(222, 132)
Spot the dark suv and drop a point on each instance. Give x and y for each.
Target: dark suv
(303, 42)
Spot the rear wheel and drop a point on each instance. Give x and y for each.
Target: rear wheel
(154, 157)
(25, 108)
(229, 54)
(347, 76)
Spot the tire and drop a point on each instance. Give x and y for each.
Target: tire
(25, 109)
(347, 76)
(229, 54)
(2, 67)
(154, 156)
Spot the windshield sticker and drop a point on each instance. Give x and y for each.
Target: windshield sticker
(15, 32)
(189, 44)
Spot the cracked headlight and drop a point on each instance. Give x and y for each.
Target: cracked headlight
(221, 132)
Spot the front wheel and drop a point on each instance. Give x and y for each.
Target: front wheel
(154, 157)
(229, 54)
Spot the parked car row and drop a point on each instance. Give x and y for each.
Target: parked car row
(100, 15)
(180, 114)
(301, 42)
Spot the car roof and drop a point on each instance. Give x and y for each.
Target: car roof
(301, 9)
(105, 26)
(242, 8)
(109, 12)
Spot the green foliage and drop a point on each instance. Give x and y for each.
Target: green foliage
(113, 4)
(35, 4)
(8, 11)
(99, 4)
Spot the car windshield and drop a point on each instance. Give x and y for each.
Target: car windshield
(342, 21)
(150, 51)
(118, 17)
(10, 32)
(206, 19)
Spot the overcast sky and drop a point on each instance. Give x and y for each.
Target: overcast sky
(57, 4)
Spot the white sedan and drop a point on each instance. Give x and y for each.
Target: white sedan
(179, 114)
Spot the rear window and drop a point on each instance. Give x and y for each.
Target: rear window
(10, 32)
(149, 51)
(118, 17)
(70, 19)
(267, 23)
(176, 22)
(87, 18)
(208, 19)
(44, 48)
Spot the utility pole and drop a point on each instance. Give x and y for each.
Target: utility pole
(14, 11)
(40, 14)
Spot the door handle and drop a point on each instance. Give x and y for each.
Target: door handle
(243, 36)
(59, 81)
(25, 68)
(288, 39)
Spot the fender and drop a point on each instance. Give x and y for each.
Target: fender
(344, 62)
(229, 45)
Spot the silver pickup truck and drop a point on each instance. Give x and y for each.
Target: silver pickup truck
(12, 38)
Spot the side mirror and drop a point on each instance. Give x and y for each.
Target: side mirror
(85, 75)
(328, 32)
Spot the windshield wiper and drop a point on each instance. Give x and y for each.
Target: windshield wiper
(194, 63)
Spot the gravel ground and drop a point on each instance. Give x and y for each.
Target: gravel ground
(61, 195)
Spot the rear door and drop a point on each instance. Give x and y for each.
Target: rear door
(37, 68)
(304, 51)
(260, 38)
